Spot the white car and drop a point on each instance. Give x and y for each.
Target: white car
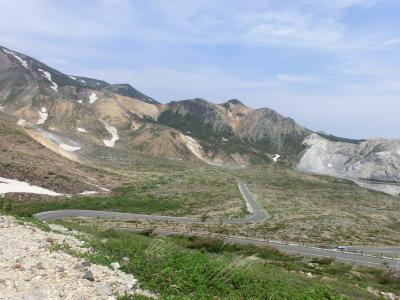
(340, 248)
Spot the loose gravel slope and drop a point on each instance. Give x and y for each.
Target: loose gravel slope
(32, 267)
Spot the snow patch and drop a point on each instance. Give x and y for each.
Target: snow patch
(114, 134)
(330, 165)
(2, 108)
(22, 61)
(225, 139)
(21, 122)
(80, 129)
(83, 81)
(92, 98)
(88, 193)
(80, 101)
(43, 115)
(91, 178)
(276, 157)
(72, 77)
(16, 186)
(47, 75)
(68, 147)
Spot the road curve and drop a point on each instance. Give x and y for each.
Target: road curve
(258, 213)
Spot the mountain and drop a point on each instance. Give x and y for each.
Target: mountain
(373, 163)
(90, 121)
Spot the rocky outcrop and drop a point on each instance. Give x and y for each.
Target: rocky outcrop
(31, 267)
(373, 163)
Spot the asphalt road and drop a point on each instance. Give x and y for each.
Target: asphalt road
(388, 251)
(258, 213)
(346, 257)
(293, 249)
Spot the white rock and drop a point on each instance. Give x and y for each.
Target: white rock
(30, 245)
(103, 290)
(43, 115)
(115, 266)
(80, 129)
(21, 122)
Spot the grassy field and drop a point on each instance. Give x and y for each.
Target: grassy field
(190, 192)
(322, 209)
(203, 268)
(319, 210)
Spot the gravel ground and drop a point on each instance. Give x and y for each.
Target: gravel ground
(30, 270)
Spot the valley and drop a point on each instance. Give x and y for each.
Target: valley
(222, 179)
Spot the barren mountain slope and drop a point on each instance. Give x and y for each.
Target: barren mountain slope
(24, 159)
(86, 119)
(372, 163)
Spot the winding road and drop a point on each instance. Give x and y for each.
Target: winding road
(258, 213)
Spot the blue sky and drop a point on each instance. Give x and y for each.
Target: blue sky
(330, 65)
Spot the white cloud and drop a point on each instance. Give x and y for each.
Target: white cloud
(182, 49)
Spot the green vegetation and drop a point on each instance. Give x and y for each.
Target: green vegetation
(169, 268)
(192, 122)
(183, 193)
(126, 199)
(211, 136)
(334, 138)
(205, 268)
(321, 210)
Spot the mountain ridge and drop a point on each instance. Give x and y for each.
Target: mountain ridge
(86, 116)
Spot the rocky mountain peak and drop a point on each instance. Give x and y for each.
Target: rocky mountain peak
(235, 102)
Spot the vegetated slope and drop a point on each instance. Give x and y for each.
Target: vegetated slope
(82, 114)
(235, 128)
(206, 268)
(91, 119)
(322, 210)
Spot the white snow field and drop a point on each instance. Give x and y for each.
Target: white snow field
(92, 98)
(47, 75)
(69, 148)
(114, 136)
(16, 186)
(22, 61)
